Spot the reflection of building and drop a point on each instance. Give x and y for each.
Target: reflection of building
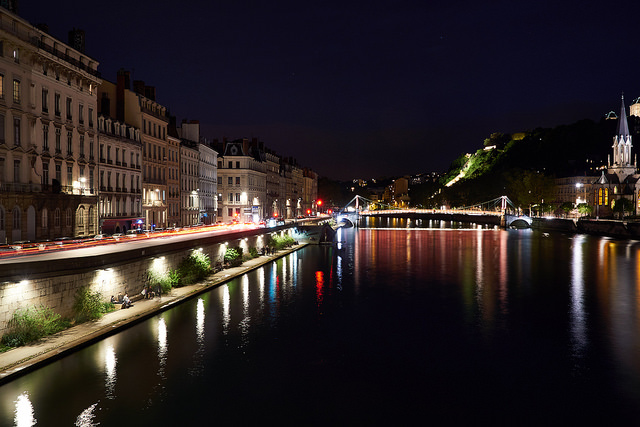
(47, 135)
(620, 180)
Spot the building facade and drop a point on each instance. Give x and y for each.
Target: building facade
(119, 176)
(241, 181)
(47, 135)
(620, 181)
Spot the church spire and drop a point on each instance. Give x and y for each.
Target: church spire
(623, 126)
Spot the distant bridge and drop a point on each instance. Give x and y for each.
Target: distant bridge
(500, 211)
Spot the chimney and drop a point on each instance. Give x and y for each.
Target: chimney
(138, 87)
(122, 84)
(76, 39)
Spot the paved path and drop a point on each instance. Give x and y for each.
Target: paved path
(21, 360)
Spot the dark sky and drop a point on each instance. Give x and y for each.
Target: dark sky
(365, 89)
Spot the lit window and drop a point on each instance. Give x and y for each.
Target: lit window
(16, 91)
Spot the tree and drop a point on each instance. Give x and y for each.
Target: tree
(566, 207)
(527, 188)
(622, 205)
(585, 209)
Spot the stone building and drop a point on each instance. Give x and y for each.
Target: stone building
(47, 135)
(620, 181)
(241, 181)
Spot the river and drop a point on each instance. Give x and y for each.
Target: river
(402, 322)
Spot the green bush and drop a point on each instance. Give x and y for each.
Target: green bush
(253, 252)
(233, 256)
(194, 268)
(89, 305)
(165, 279)
(31, 324)
(281, 242)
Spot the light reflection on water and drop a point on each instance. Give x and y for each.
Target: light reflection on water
(24, 416)
(476, 313)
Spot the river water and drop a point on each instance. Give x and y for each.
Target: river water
(402, 322)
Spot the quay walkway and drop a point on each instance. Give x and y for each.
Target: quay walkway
(21, 360)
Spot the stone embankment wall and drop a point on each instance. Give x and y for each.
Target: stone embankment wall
(554, 224)
(54, 284)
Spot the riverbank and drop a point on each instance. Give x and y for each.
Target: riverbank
(21, 360)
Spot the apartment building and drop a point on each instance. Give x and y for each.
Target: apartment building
(47, 134)
(241, 181)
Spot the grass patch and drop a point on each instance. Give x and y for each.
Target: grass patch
(32, 323)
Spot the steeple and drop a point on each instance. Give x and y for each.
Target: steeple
(623, 165)
(623, 126)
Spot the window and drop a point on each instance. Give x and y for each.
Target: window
(56, 104)
(81, 145)
(45, 137)
(16, 91)
(45, 100)
(230, 211)
(2, 128)
(69, 105)
(80, 219)
(229, 165)
(2, 218)
(81, 113)
(58, 148)
(237, 180)
(1, 86)
(16, 131)
(69, 176)
(237, 197)
(231, 197)
(45, 218)
(229, 180)
(90, 117)
(237, 165)
(68, 217)
(45, 174)
(16, 218)
(56, 218)
(91, 148)
(16, 171)
(59, 173)
(69, 143)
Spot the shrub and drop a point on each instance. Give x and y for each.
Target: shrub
(281, 242)
(233, 256)
(165, 279)
(31, 324)
(89, 305)
(253, 252)
(194, 268)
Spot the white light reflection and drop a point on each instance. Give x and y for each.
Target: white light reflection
(246, 320)
(339, 238)
(226, 315)
(577, 315)
(110, 362)
(24, 416)
(200, 321)
(162, 347)
(85, 419)
(198, 365)
(261, 282)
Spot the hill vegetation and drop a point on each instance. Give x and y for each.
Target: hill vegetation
(522, 166)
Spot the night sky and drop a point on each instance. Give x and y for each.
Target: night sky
(365, 89)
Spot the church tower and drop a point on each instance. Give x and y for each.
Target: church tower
(622, 166)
